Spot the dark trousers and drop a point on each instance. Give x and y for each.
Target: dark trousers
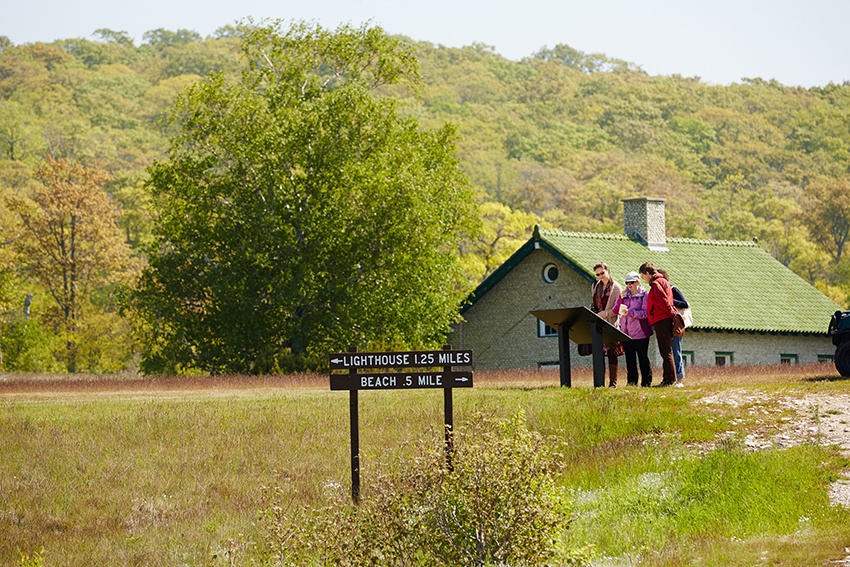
(611, 355)
(636, 353)
(664, 335)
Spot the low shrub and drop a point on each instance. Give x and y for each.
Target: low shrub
(494, 502)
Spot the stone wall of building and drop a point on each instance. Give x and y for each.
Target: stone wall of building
(704, 349)
(756, 348)
(500, 329)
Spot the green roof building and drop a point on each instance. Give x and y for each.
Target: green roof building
(748, 308)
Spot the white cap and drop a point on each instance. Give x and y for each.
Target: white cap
(632, 277)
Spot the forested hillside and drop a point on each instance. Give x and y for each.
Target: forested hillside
(559, 139)
(565, 136)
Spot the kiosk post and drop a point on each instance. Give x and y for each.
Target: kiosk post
(564, 355)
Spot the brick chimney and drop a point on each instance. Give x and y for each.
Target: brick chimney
(643, 220)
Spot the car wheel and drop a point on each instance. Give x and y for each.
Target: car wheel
(842, 358)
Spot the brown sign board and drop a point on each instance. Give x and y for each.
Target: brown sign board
(413, 359)
(578, 320)
(401, 380)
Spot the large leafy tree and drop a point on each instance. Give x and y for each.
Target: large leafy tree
(300, 212)
(828, 214)
(69, 242)
(503, 231)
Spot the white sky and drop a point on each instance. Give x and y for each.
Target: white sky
(797, 42)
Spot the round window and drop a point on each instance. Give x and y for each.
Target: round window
(550, 273)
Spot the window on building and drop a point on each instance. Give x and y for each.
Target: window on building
(723, 358)
(688, 357)
(826, 358)
(544, 330)
(785, 358)
(550, 273)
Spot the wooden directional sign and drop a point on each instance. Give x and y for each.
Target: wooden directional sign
(364, 370)
(578, 321)
(415, 359)
(401, 380)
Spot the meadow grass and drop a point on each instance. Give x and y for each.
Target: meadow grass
(103, 471)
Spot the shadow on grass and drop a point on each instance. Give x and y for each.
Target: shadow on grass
(830, 378)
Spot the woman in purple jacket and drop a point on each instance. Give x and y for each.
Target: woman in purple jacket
(634, 323)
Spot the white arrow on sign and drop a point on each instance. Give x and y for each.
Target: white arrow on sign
(461, 379)
(336, 360)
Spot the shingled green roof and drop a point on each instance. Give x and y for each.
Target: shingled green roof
(731, 286)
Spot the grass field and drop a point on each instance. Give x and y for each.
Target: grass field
(128, 471)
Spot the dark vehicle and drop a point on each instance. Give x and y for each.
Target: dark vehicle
(839, 328)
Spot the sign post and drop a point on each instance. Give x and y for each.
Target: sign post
(354, 427)
(564, 356)
(354, 371)
(449, 416)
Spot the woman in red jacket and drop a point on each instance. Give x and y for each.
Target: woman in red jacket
(660, 311)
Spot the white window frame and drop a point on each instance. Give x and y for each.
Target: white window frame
(545, 273)
(545, 331)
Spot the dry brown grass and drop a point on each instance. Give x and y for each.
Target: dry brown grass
(83, 383)
(582, 377)
(695, 376)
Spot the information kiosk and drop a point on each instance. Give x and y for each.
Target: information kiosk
(582, 326)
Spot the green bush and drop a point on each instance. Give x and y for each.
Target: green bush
(495, 504)
(28, 347)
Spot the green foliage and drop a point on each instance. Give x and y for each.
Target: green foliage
(104, 342)
(17, 141)
(497, 504)
(300, 213)
(28, 347)
(828, 214)
(586, 63)
(503, 231)
(112, 36)
(161, 37)
(70, 244)
(34, 560)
